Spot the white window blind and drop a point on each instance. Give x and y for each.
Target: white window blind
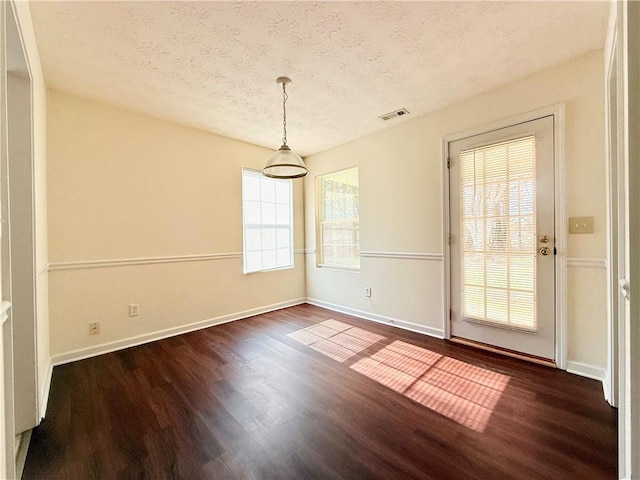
(267, 212)
(338, 219)
(498, 222)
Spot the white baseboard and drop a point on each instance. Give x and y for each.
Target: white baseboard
(587, 370)
(374, 317)
(578, 368)
(44, 395)
(93, 351)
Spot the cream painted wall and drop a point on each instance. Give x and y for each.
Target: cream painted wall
(401, 205)
(124, 186)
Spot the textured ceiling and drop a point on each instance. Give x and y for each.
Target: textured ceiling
(213, 65)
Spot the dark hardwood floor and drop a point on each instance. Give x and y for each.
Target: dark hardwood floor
(278, 396)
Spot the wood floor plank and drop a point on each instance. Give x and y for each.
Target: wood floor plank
(248, 400)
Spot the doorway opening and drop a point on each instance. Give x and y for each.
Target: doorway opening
(505, 256)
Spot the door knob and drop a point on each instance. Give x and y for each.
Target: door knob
(625, 288)
(544, 251)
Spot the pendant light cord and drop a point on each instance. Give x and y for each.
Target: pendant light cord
(284, 114)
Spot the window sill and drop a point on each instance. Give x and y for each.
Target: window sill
(288, 267)
(341, 269)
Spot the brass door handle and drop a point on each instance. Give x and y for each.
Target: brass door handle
(544, 251)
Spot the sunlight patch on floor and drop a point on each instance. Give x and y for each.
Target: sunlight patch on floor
(465, 393)
(337, 340)
(458, 390)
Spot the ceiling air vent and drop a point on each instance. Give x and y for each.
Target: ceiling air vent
(397, 113)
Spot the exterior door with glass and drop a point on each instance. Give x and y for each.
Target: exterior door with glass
(503, 238)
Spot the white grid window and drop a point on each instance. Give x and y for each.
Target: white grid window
(267, 212)
(338, 219)
(498, 225)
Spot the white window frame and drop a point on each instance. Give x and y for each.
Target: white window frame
(320, 221)
(246, 172)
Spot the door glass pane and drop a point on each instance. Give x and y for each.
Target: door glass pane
(497, 225)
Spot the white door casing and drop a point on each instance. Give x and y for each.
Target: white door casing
(616, 257)
(622, 99)
(20, 224)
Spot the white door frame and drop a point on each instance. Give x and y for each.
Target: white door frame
(557, 111)
(623, 46)
(614, 164)
(21, 223)
(631, 348)
(18, 279)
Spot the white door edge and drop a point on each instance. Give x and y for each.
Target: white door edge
(611, 63)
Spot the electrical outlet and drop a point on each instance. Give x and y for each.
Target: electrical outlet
(94, 328)
(367, 292)
(134, 310)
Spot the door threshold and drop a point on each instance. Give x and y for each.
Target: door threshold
(505, 351)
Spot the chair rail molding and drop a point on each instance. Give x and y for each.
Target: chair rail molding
(123, 262)
(402, 255)
(580, 262)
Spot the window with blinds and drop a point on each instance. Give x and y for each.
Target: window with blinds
(338, 219)
(267, 212)
(498, 233)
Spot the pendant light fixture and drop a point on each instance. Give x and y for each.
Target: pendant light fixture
(284, 163)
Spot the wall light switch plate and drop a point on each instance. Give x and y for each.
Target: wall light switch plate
(581, 225)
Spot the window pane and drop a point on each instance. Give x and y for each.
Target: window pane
(498, 232)
(250, 188)
(268, 238)
(522, 234)
(521, 197)
(473, 201)
(251, 213)
(283, 237)
(268, 213)
(283, 256)
(473, 268)
(283, 193)
(338, 219)
(283, 214)
(352, 177)
(266, 203)
(522, 269)
(474, 302)
(253, 239)
(267, 190)
(473, 235)
(496, 267)
(269, 259)
(522, 309)
(497, 305)
(253, 261)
